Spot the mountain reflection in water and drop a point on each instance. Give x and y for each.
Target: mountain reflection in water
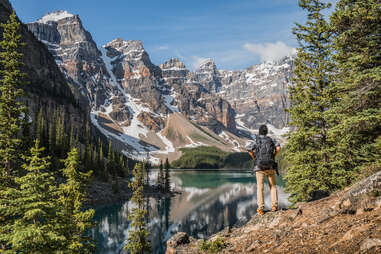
(210, 201)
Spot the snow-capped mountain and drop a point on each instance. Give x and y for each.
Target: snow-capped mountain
(145, 108)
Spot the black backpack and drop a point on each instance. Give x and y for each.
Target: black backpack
(264, 153)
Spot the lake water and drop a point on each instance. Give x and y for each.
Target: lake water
(209, 202)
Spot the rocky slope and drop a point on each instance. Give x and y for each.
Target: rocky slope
(131, 99)
(346, 222)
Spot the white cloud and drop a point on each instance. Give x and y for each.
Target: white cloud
(163, 47)
(270, 51)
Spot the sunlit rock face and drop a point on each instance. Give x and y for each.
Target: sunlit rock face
(135, 72)
(75, 53)
(260, 93)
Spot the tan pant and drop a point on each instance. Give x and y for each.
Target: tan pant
(270, 173)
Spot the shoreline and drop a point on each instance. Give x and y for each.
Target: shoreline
(102, 194)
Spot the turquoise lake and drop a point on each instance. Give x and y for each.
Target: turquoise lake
(210, 200)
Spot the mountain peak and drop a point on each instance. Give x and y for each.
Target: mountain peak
(207, 65)
(125, 46)
(55, 16)
(174, 64)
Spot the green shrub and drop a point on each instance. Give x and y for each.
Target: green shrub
(213, 246)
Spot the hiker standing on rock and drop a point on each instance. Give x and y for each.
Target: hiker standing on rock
(263, 151)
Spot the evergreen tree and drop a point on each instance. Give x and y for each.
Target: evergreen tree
(13, 113)
(147, 167)
(72, 137)
(110, 161)
(51, 138)
(26, 136)
(137, 242)
(160, 177)
(11, 84)
(167, 177)
(73, 221)
(100, 156)
(33, 208)
(87, 144)
(60, 134)
(40, 134)
(313, 93)
(357, 45)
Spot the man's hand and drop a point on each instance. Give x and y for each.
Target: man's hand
(277, 150)
(251, 154)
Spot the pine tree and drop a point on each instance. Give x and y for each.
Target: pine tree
(101, 162)
(60, 134)
(313, 93)
(13, 113)
(160, 177)
(72, 136)
(357, 45)
(51, 138)
(110, 160)
(87, 143)
(26, 136)
(73, 220)
(11, 84)
(147, 166)
(167, 177)
(137, 242)
(33, 208)
(40, 134)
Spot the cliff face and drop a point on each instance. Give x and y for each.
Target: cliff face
(259, 94)
(47, 88)
(75, 53)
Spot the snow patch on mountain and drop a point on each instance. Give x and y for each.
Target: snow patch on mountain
(55, 16)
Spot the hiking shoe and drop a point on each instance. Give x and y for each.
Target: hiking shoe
(274, 208)
(260, 211)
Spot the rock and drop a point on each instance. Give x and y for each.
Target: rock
(362, 195)
(370, 243)
(153, 123)
(254, 245)
(347, 203)
(352, 233)
(178, 239)
(360, 211)
(275, 222)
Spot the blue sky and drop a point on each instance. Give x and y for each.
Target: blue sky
(235, 34)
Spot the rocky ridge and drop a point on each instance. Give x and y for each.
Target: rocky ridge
(131, 98)
(348, 221)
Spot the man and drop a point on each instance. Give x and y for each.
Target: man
(263, 152)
